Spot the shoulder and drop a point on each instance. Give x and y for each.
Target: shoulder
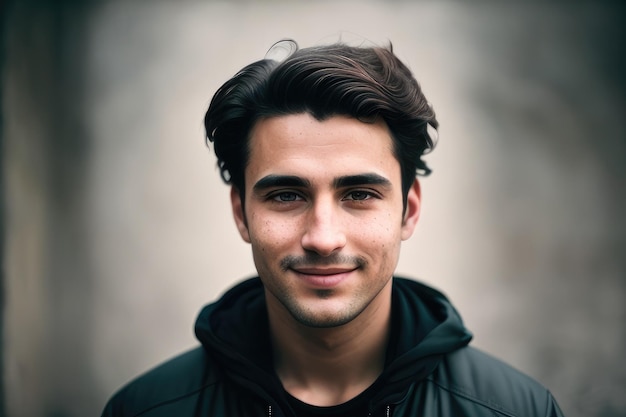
(479, 379)
(170, 387)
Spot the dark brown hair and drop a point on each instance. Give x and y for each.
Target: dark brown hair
(361, 82)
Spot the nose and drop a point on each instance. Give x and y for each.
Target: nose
(323, 232)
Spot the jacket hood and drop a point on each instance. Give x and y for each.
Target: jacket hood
(425, 326)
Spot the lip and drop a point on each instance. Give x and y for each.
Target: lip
(324, 278)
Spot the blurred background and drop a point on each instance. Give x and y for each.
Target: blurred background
(117, 229)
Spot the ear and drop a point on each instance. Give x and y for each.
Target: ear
(412, 212)
(239, 214)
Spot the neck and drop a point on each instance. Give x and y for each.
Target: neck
(329, 366)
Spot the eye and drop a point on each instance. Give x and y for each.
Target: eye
(286, 197)
(358, 195)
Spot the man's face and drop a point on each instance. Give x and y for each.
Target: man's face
(324, 216)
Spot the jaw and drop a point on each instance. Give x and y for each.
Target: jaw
(328, 318)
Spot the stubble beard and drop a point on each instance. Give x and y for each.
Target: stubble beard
(313, 319)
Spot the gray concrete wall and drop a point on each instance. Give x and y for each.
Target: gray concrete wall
(119, 230)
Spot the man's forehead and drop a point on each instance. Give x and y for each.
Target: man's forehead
(339, 147)
(304, 131)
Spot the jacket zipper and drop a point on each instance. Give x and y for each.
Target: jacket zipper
(387, 411)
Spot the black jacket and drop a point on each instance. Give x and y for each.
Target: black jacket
(430, 370)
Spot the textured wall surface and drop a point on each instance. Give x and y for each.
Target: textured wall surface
(119, 229)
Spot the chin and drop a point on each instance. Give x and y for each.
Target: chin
(323, 323)
(316, 317)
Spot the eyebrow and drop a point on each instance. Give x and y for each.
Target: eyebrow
(272, 181)
(361, 179)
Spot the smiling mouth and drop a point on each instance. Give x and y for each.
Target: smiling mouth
(323, 278)
(324, 271)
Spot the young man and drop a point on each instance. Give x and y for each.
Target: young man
(322, 151)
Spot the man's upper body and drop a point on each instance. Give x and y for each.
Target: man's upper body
(429, 369)
(322, 151)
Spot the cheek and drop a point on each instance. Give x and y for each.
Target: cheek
(383, 236)
(383, 229)
(270, 236)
